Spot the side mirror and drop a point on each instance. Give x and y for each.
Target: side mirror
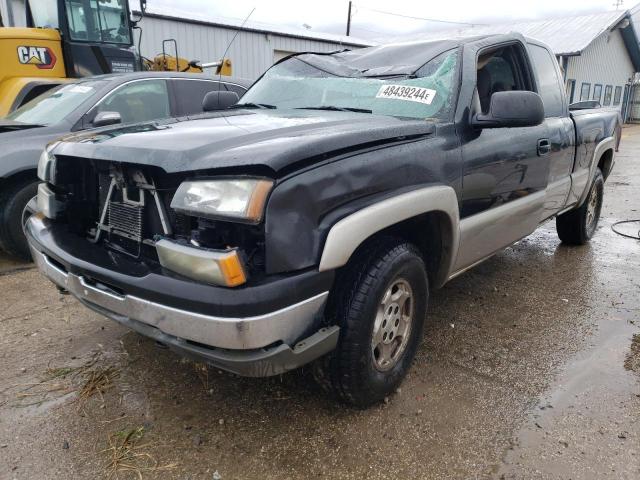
(512, 109)
(104, 119)
(219, 100)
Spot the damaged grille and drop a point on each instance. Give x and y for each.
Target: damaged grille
(125, 220)
(132, 211)
(125, 208)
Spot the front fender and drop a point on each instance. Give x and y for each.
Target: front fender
(303, 208)
(352, 231)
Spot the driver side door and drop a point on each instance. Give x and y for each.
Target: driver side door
(504, 169)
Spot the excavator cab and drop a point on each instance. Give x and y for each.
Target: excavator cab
(45, 42)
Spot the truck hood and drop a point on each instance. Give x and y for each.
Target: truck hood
(270, 138)
(21, 148)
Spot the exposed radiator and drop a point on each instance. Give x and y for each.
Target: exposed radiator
(126, 220)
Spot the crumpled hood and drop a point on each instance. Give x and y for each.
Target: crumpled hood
(271, 138)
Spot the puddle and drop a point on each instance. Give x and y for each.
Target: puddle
(583, 427)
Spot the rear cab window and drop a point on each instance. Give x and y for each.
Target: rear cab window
(549, 85)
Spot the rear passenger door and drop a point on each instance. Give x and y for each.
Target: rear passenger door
(560, 129)
(189, 93)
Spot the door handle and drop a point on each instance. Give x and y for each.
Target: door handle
(544, 147)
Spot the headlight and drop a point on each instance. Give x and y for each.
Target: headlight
(242, 199)
(47, 164)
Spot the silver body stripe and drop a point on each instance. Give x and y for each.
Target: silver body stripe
(349, 233)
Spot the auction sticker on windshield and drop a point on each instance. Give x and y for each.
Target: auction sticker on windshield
(407, 93)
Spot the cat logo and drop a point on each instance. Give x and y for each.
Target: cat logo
(41, 57)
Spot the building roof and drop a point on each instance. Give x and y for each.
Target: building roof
(180, 15)
(565, 36)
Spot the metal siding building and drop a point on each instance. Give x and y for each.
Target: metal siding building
(254, 50)
(599, 49)
(605, 62)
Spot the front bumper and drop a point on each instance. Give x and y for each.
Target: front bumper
(260, 345)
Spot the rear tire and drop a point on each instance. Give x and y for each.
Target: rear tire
(13, 201)
(380, 304)
(578, 226)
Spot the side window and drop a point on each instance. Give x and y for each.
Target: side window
(549, 85)
(138, 101)
(585, 90)
(597, 92)
(191, 93)
(500, 70)
(607, 96)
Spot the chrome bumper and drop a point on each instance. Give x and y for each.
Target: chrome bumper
(286, 325)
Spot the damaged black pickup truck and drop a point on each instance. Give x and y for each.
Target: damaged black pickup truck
(310, 221)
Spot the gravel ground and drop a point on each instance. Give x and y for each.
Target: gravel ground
(529, 369)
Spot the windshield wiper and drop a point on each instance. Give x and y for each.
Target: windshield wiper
(337, 109)
(253, 105)
(19, 126)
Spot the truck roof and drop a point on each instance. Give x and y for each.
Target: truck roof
(123, 77)
(391, 59)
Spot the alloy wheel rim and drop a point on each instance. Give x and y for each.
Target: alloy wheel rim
(592, 210)
(392, 325)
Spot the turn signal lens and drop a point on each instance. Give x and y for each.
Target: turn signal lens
(216, 267)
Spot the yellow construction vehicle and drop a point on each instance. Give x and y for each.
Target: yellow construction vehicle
(63, 39)
(31, 63)
(174, 63)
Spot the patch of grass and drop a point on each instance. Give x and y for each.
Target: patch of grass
(202, 370)
(62, 372)
(125, 455)
(88, 379)
(97, 381)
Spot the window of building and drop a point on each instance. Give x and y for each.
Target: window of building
(585, 90)
(571, 89)
(607, 96)
(617, 95)
(549, 85)
(597, 92)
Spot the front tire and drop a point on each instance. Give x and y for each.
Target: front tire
(578, 226)
(13, 201)
(380, 304)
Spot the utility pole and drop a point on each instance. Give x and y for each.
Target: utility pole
(349, 21)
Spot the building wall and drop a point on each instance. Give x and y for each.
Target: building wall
(604, 62)
(251, 53)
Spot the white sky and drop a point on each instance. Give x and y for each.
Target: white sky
(331, 15)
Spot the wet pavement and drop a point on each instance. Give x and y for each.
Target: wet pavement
(530, 368)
